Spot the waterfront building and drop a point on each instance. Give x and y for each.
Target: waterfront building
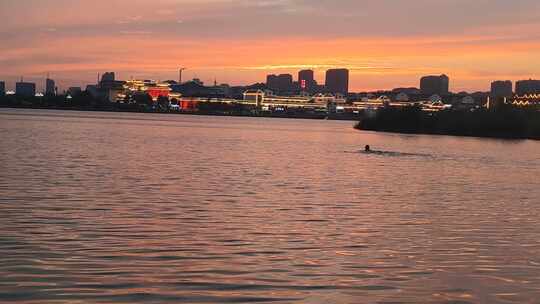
(108, 88)
(306, 80)
(50, 87)
(402, 97)
(527, 100)
(73, 91)
(2, 88)
(526, 87)
(26, 89)
(337, 81)
(430, 85)
(282, 83)
(195, 88)
(501, 89)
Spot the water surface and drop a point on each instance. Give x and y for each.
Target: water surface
(146, 208)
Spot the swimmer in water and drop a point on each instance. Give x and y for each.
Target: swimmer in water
(367, 148)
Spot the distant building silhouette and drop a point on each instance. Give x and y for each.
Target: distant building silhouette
(26, 89)
(306, 80)
(430, 85)
(501, 89)
(282, 83)
(73, 91)
(524, 87)
(2, 88)
(107, 89)
(195, 88)
(50, 88)
(108, 77)
(337, 81)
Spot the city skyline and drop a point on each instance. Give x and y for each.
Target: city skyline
(239, 42)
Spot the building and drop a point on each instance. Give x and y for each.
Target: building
(282, 83)
(501, 89)
(108, 88)
(196, 88)
(73, 91)
(337, 81)
(108, 77)
(528, 101)
(2, 88)
(526, 87)
(26, 89)
(254, 96)
(306, 80)
(430, 85)
(50, 87)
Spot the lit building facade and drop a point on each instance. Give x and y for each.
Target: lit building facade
(306, 81)
(527, 87)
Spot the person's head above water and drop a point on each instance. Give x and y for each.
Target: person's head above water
(367, 148)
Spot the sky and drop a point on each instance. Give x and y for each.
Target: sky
(384, 43)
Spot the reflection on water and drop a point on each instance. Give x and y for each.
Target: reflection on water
(143, 208)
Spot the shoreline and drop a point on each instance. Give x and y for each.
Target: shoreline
(359, 119)
(339, 117)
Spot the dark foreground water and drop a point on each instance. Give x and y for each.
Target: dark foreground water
(143, 208)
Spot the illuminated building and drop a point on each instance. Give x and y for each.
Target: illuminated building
(337, 81)
(527, 87)
(254, 96)
(270, 102)
(306, 80)
(108, 88)
(430, 85)
(197, 89)
(150, 87)
(527, 100)
(26, 89)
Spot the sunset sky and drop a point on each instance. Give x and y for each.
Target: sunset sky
(385, 43)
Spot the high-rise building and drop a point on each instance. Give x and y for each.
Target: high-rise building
(501, 89)
(430, 85)
(337, 81)
(306, 80)
(524, 87)
(108, 77)
(272, 82)
(26, 89)
(281, 83)
(2, 88)
(50, 88)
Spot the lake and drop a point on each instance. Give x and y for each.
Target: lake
(146, 208)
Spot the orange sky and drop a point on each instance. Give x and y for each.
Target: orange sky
(238, 41)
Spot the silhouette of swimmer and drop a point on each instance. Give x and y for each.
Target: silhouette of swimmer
(367, 148)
